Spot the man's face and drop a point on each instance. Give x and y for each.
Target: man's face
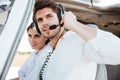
(45, 18)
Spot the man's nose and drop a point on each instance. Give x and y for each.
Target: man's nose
(45, 22)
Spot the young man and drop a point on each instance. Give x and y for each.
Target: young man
(74, 54)
(37, 42)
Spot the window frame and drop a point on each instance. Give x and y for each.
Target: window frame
(13, 32)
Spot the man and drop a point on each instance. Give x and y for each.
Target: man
(74, 54)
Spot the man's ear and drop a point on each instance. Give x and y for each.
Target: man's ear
(62, 22)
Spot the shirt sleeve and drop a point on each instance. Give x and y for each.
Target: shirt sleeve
(34, 75)
(24, 68)
(104, 48)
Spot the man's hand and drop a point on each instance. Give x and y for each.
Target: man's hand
(69, 20)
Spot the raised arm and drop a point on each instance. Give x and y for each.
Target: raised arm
(71, 23)
(100, 46)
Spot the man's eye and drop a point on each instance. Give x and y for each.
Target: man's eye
(39, 20)
(49, 16)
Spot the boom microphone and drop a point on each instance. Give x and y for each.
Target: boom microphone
(53, 27)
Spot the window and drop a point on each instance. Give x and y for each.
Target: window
(12, 27)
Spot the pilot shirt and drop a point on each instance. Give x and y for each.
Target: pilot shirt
(75, 59)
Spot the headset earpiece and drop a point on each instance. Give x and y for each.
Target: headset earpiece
(36, 26)
(60, 12)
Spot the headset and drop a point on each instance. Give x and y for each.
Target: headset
(35, 25)
(59, 14)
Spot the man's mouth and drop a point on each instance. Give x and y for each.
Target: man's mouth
(46, 29)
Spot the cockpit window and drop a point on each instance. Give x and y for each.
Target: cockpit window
(5, 8)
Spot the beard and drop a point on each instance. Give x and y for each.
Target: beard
(52, 35)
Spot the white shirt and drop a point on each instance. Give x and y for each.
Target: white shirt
(75, 59)
(30, 64)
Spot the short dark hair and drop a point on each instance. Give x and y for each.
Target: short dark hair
(45, 3)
